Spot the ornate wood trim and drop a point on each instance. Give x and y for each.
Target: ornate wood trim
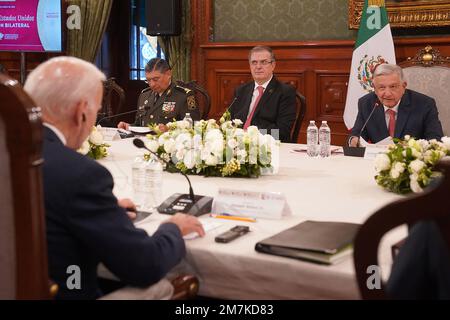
(427, 57)
(406, 14)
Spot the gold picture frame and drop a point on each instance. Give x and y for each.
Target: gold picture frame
(406, 13)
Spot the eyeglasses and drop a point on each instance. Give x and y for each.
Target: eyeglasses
(254, 63)
(393, 87)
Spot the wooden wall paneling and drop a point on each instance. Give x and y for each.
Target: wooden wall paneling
(330, 94)
(226, 82)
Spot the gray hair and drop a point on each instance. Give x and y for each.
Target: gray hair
(262, 48)
(386, 69)
(59, 84)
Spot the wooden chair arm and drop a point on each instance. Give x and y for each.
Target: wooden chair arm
(185, 287)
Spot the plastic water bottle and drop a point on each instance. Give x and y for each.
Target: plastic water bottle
(324, 140)
(312, 139)
(188, 118)
(147, 183)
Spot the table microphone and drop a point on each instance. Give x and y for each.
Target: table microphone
(359, 151)
(376, 104)
(232, 102)
(116, 115)
(187, 203)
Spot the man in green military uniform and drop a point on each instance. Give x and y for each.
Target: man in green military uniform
(163, 100)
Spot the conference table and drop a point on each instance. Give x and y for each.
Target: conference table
(336, 188)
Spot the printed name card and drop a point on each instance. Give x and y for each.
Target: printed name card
(372, 151)
(269, 205)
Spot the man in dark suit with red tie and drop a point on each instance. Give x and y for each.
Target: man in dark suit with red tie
(265, 102)
(398, 111)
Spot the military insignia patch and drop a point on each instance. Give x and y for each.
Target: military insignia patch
(191, 103)
(168, 107)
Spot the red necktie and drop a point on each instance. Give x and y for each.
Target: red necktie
(250, 116)
(391, 128)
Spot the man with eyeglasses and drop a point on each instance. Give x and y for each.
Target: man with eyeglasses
(163, 100)
(398, 111)
(265, 102)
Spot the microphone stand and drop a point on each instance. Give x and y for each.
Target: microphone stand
(187, 203)
(116, 115)
(359, 151)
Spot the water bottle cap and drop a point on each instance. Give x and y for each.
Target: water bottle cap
(324, 122)
(312, 121)
(188, 114)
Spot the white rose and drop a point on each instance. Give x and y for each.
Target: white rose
(407, 137)
(226, 125)
(416, 165)
(162, 138)
(84, 149)
(239, 132)
(96, 137)
(180, 154)
(237, 122)
(232, 143)
(416, 154)
(424, 144)
(428, 156)
(169, 146)
(414, 145)
(382, 162)
(183, 124)
(397, 169)
(446, 142)
(211, 160)
(153, 145)
(241, 155)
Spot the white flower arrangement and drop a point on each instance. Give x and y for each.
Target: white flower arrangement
(408, 164)
(213, 149)
(94, 146)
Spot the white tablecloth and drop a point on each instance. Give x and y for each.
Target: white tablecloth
(335, 189)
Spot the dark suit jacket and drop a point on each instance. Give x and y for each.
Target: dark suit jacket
(86, 226)
(417, 116)
(422, 268)
(275, 110)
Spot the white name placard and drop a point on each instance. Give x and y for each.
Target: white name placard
(372, 151)
(269, 205)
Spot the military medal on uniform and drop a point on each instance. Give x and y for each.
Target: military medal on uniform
(169, 106)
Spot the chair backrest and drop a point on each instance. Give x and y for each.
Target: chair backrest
(300, 115)
(23, 245)
(429, 73)
(201, 96)
(113, 99)
(408, 211)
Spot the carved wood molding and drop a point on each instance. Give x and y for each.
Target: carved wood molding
(427, 57)
(406, 14)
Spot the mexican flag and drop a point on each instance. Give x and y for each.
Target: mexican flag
(374, 45)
